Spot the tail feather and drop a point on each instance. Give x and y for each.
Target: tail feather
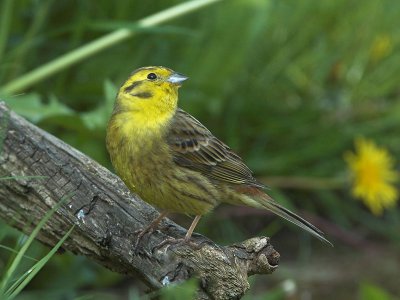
(257, 198)
(295, 219)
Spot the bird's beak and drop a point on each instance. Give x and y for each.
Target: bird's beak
(176, 78)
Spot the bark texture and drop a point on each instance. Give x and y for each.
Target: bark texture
(107, 214)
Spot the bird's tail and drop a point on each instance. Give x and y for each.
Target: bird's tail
(262, 200)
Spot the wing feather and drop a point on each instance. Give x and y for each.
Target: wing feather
(195, 147)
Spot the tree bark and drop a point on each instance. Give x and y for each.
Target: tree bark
(107, 214)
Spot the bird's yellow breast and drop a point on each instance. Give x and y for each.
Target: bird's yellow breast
(134, 141)
(143, 160)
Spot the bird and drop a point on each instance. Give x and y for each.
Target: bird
(172, 161)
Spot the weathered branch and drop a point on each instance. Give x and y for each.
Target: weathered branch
(106, 215)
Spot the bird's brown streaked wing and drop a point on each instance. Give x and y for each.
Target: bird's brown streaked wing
(194, 147)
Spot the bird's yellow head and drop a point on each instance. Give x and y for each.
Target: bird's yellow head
(150, 94)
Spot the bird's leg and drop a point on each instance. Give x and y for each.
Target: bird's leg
(150, 228)
(192, 227)
(186, 239)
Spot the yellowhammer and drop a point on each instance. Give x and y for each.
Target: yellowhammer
(174, 162)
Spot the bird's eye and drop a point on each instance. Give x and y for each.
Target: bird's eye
(151, 76)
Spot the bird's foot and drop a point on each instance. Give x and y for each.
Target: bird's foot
(139, 236)
(149, 229)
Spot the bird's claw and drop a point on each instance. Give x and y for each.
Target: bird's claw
(140, 234)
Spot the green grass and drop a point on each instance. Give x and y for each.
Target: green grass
(12, 284)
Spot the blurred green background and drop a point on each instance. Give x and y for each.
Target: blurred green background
(288, 85)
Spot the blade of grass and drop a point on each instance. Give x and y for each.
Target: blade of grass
(5, 20)
(23, 48)
(10, 271)
(15, 251)
(100, 44)
(15, 284)
(19, 285)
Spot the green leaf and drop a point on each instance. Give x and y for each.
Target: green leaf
(182, 291)
(98, 118)
(371, 291)
(31, 107)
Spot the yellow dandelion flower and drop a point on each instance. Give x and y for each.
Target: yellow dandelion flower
(374, 175)
(381, 47)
